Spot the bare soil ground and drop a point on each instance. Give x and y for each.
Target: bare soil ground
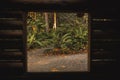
(38, 62)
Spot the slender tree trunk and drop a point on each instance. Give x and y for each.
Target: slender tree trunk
(35, 15)
(54, 24)
(46, 22)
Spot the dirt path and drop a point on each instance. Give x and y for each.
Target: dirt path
(56, 63)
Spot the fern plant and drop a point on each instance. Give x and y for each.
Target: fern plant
(80, 37)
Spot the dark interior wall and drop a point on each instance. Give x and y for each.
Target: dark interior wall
(44, 1)
(44, 4)
(104, 43)
(47, 1)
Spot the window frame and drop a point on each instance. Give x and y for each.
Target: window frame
(89, 44)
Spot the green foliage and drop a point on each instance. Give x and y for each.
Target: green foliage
(80, 38)
(61, 39)
(35, 28)
(71, 34)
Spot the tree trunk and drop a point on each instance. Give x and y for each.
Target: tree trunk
(54, 24)
(35, 15)
(46, 22)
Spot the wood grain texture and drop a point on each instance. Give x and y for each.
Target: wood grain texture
(104, 58)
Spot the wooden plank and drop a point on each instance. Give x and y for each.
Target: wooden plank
(45, 1)
(24, 39)
(114, 28)
(105, 15)
(101, 50)
(104, 32)
(104, 65)
(105, 36)
(104, 55)
(11, 33)
(11, 14)
(11, 37)
(106, 42)
(105, 50)
(105, 26)
(6, 62)
(11, 43)
(11, 46)
(105, 46)
(103, 4)
(10, 50)
(10, 40)
(11, 68)
(11, 22)
(36, 2)
(11, 53)
(105, 23)
(42, 5)
(11, 27)
(11, 56)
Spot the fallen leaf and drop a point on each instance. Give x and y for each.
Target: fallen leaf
(54, 70)
(63, 66)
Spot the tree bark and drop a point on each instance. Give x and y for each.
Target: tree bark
(46, 22)
(54, 24)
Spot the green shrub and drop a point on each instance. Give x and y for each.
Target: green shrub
(66, 38)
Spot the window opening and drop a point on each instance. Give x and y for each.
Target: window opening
(57, 42)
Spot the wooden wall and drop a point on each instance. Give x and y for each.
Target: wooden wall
(104, 36)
